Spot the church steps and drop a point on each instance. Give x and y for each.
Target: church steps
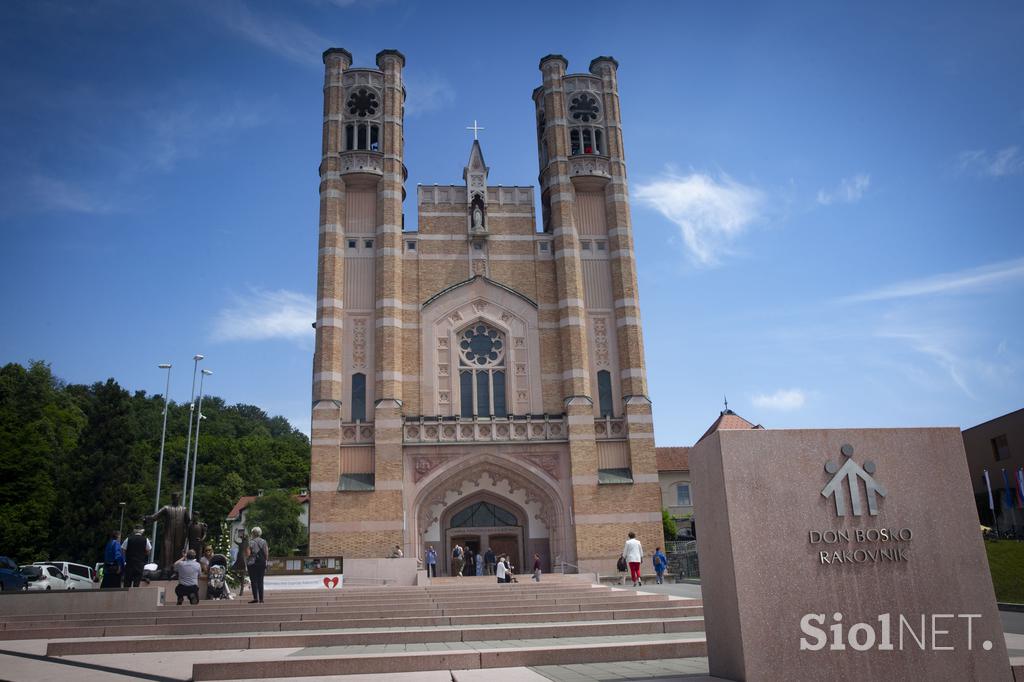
(251, 615)
(567, 653)
(277, 625)
(524, 631)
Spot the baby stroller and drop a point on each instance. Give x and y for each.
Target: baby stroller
(217, 584)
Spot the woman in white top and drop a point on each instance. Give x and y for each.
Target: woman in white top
(633, 552)
(500, 569)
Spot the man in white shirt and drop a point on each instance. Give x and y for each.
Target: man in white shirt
(633, 552)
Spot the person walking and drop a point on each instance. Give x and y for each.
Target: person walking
(479, 564)
(136, 550)
(113, 561)
(188, 570)
(431, 562)
(536, 567)
(500, 570)
(489, 560)
(660, 563)
(633, 553)
(239, 568)
(256, 564)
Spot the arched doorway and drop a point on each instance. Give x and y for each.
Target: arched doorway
(514, 487)
(484, 522)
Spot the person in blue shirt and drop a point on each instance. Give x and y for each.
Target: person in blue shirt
(113, 561)
(431, 562)
(660, 564)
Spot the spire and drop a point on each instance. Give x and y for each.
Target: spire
(476, 166)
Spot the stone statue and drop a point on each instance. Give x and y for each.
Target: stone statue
(478, 219)
(197, 534)
(173, 520)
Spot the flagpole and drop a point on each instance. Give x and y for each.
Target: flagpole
(991, 502)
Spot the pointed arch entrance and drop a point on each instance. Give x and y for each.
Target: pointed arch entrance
(466, 492)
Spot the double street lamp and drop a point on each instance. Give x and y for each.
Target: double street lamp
(195, 457)
(188, 443)
(160, 467)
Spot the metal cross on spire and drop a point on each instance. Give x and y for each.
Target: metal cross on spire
(475, 128)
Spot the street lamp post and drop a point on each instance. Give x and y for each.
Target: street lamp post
(195, 458)
(160, 468)
(120, 528)
(188, 443)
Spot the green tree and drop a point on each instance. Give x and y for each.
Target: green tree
(277, 515)
(39, 427)
(668, 525)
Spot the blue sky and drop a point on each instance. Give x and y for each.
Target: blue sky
(827, 201)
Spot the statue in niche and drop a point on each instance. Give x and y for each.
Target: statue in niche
(476, 223)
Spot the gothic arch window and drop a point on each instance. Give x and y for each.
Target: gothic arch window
(359, 397)
(604, 393)
(483, 515)
(482, 371)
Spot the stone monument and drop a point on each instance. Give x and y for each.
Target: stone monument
(843, 554)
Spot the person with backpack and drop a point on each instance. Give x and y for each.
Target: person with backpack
(256, 563)
(458, 559)
(660, 562)
(621, 566)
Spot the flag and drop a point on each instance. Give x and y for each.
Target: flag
(1008, 489)
(1020, 487)
(988, 486)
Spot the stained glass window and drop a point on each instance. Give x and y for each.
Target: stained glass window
(483, 515)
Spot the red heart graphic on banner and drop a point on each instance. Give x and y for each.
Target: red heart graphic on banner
(331, 583)
(327, 583)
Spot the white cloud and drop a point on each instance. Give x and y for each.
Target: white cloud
(710, 213)
(426, 92)
(51, 193)
(784, 400)
(263, 315)
(1006, 161)
(285, 37)
(971, 279)
(848, 191)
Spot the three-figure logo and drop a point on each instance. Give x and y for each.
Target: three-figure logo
(851, 474)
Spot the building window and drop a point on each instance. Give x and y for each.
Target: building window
(352, 243)
(1001, 448)
(362, 136)
(586, 140)
(368, 243)
(482, 372)
(604, 392)
(358, 397)
(683, 495)
(483, 515)
(350, 137)
(410, 245)
(544, 246)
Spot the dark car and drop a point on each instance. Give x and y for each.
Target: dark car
(10, 577)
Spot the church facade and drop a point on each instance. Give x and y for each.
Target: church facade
(480, 380)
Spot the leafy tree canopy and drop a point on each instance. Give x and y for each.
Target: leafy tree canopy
(277, 515)
(70, 454)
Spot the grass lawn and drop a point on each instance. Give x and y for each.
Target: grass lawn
(1006, 560)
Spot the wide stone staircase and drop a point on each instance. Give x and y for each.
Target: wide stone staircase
(469, 624)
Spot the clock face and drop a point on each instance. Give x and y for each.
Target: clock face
(362, 103)
(584, 108)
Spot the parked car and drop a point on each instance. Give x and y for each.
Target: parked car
(79, 576)
(44, 577)
(10, 578)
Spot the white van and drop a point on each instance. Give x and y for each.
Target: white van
(79, 577)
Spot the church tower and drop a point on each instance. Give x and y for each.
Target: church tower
(585, 204)
(478, 381)
(357, 364)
